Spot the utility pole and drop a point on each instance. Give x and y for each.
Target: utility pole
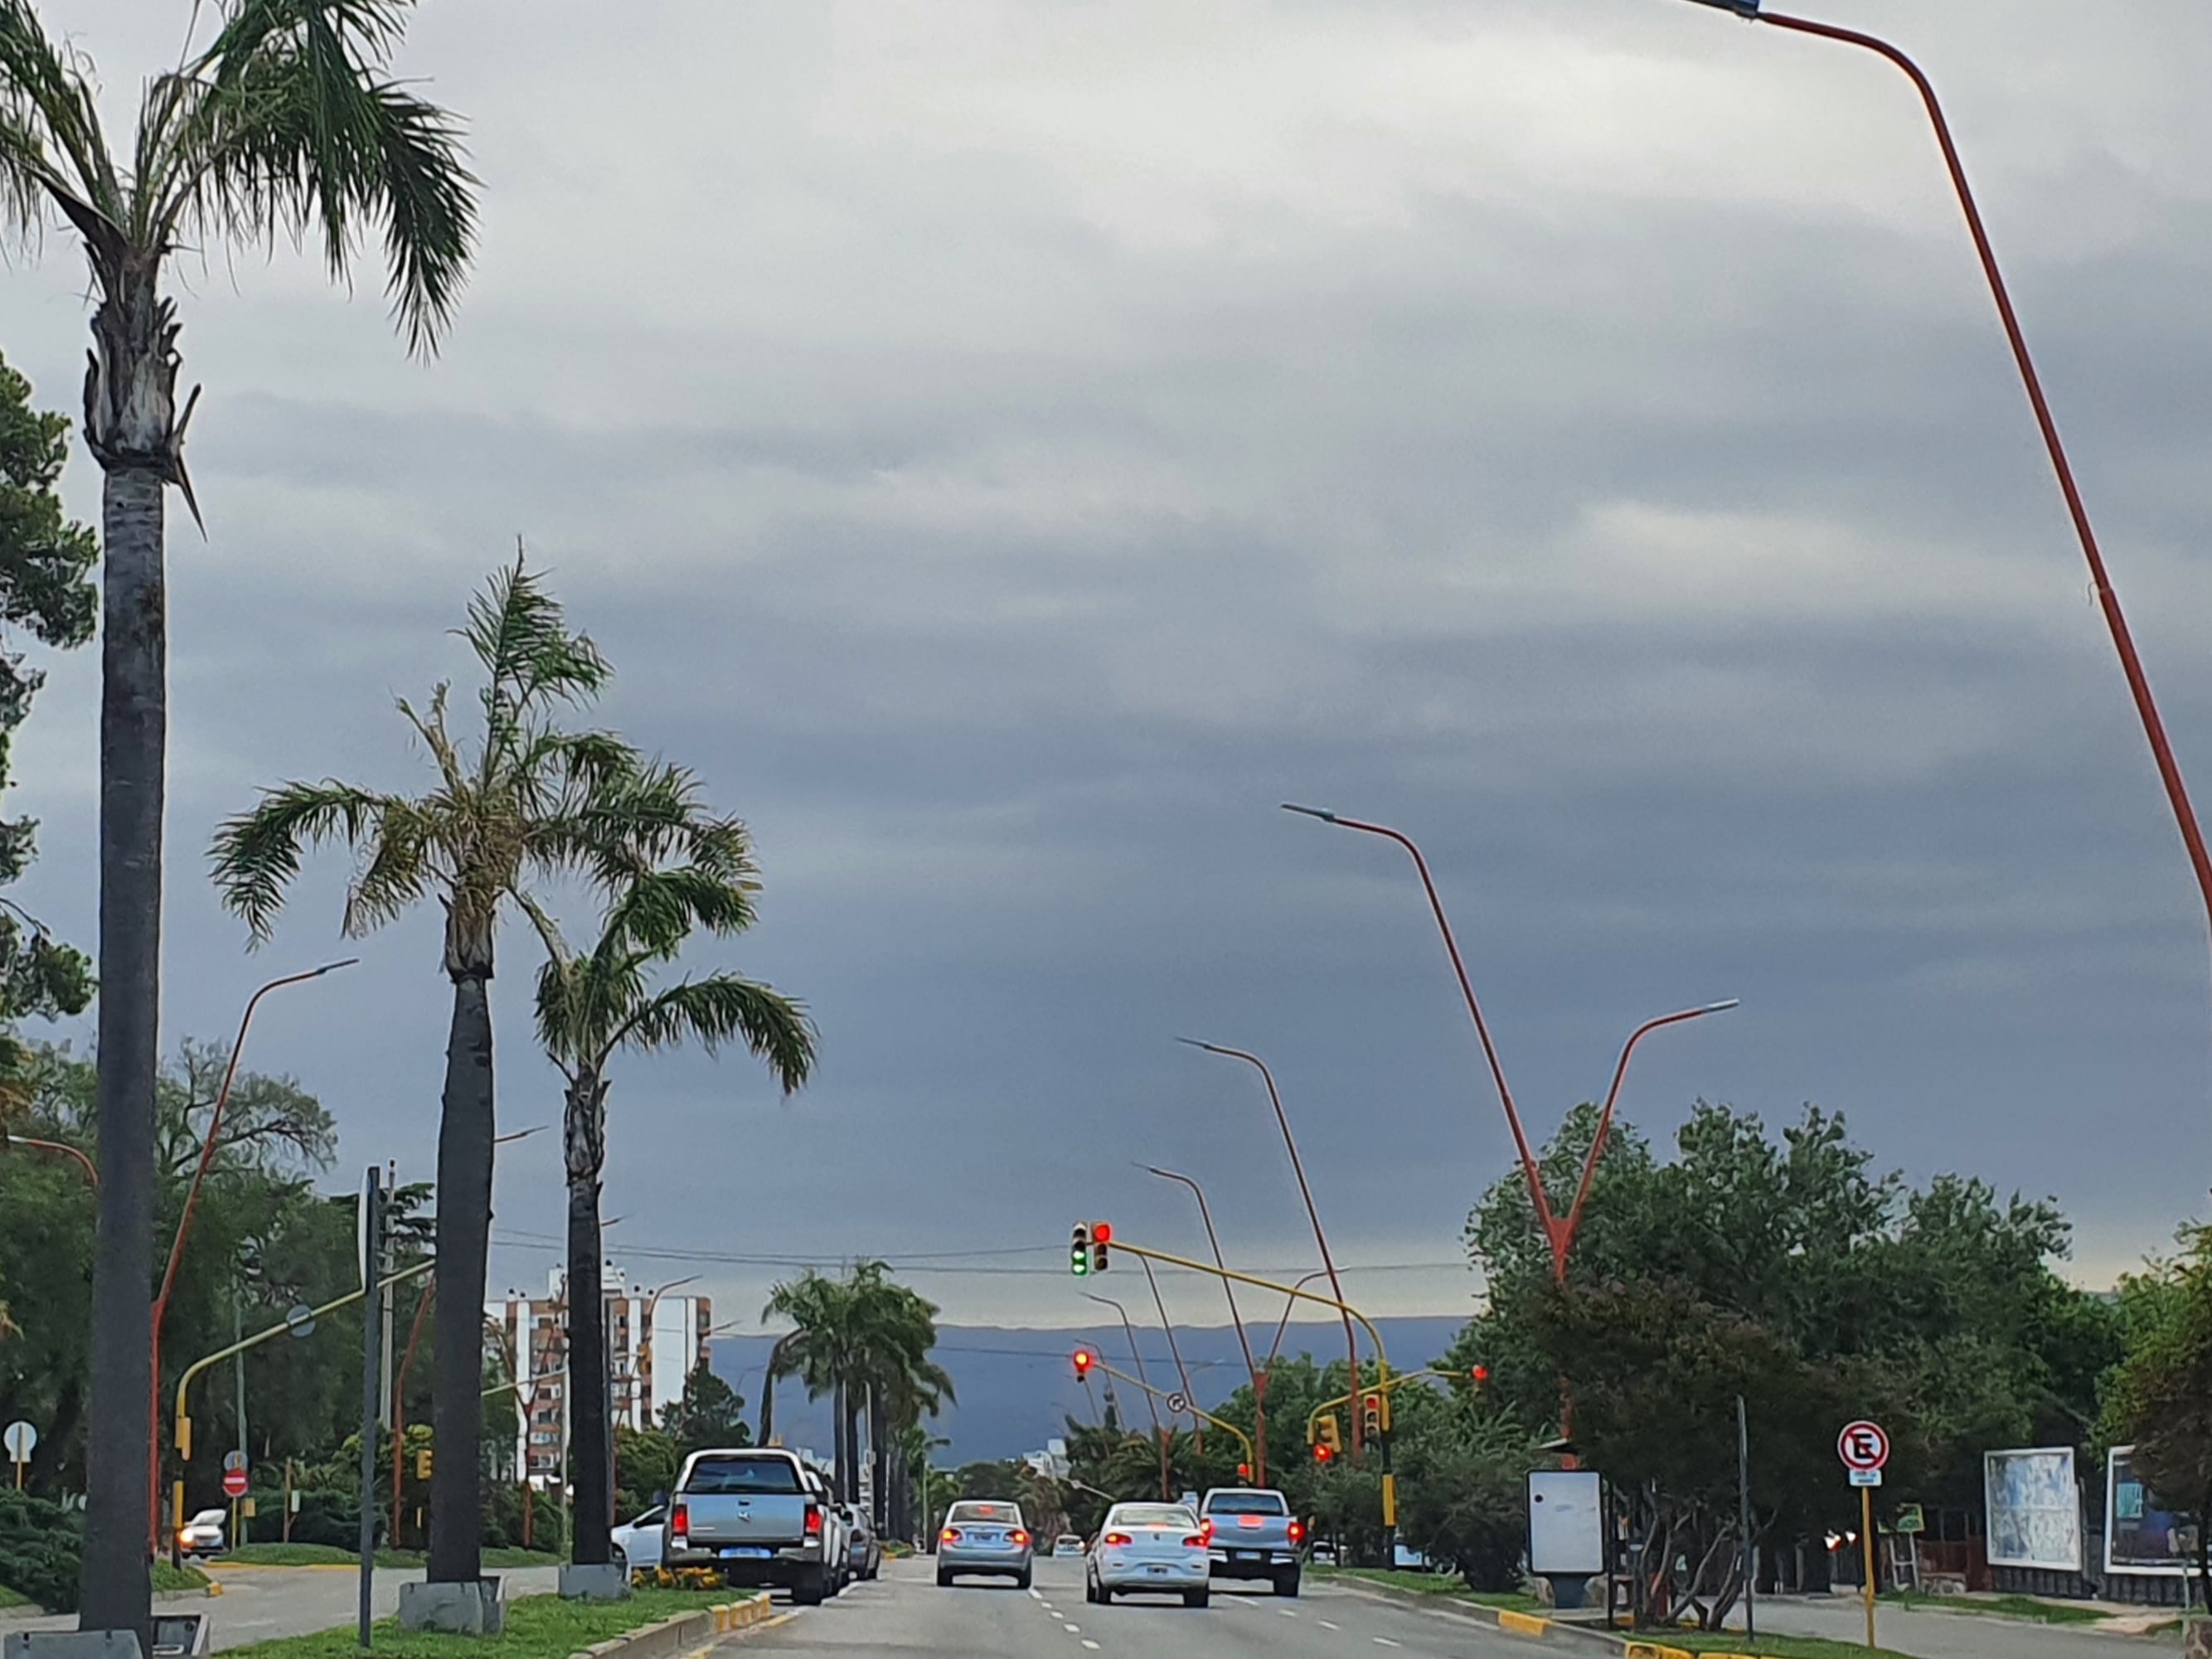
(238, 1370)
(372, 1373)
(1743, 1515)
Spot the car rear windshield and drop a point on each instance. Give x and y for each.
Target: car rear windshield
(1155, 1514)
(1247, 1502)
(1006, 1514)
(712, 1477)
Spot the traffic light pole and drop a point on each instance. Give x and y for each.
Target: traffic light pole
(1190, 1404)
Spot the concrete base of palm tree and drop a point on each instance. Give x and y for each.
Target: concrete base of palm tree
(604, 1582)
(454, 1609)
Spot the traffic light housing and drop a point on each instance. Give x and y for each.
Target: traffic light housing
(1079, 1251)
(1480, 1376)
(1101, 1235)
(1374, 1415)
(1328, 1439)
(1244, 1471)
(423, 1464)
(1085, 1360)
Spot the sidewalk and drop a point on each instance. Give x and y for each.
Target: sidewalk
(1962, 1635)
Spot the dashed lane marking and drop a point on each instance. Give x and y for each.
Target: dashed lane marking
(1287, 1613)
(1073, 1629)
(1325, 1625)
(1093, 1645)
(1385, 1641)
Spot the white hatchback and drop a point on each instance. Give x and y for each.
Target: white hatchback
(1149, 1549)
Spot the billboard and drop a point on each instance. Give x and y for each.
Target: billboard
(2141, 1536)
(1566, 1522)
(2034, 1509)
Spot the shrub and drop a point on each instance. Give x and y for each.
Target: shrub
(39, 1550)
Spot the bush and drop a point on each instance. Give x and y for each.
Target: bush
(325, 1517)
(39, 1550)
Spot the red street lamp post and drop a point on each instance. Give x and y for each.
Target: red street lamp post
(207, 1147)
(2108, 600)
(1305, 1191)
(1259, 1385)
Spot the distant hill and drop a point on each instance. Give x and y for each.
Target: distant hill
(1016, 1386)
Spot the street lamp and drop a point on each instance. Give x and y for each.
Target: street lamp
(213, 1139)
(1559, 1230)
(1175, 1353)
(1137, 1357)
(1305, 1191)
(2108, 600)
(1259, 1388)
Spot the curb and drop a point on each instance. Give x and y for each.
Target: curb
(672, 1637)
(1531, 1625)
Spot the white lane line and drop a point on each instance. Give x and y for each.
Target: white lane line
(1037, 1595)
(1325, 1625)
(1093, 1645)
(1073, 1629)
(1286, 1612)
(1385, 1641)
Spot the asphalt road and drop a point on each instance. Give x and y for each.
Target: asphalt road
(258, 1603)
(905, 1612)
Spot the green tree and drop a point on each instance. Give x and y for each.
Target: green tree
(595, 1004)
(2160, 1398)
(529, 802)
(286, 119)
(710, 1413)
(45, 563)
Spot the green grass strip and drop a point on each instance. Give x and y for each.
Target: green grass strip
(2002, 1607)
(537, 1627)
(323, 1555)
(167, 1577)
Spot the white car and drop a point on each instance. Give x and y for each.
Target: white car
(639, 1542)
(202, 1533)
(1149, 1549)
(1068, 1544)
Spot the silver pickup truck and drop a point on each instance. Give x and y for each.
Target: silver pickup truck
(1251, 1533)
(755, 1516)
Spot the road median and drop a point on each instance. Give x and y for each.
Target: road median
(650, 1625)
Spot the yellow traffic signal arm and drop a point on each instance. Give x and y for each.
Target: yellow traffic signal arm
(185, 1383)
(1382, 1358)
(1190, 1405)
(1314, 1416)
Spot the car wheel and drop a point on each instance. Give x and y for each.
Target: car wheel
(1197, 1598)
(810, 1588)
(1286, 1584)
(943, 1579)
(1023, 1582)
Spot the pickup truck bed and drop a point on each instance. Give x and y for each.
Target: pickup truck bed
(1254, 1536)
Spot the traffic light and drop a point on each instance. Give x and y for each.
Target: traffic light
(1244, 1471)
(423, 1464)
(1078, 1251)
(1101, 1235)
(1328, 1438)
(1374, 1415)
(1480, 1376)
(1085, 1360)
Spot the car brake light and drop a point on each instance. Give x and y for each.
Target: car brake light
(1020, 1536)
(950, 1536)
(1116, 1539)
(1251, 1521)
(1298, 1532)
(1195, 1541)
(1206, 1530)
(679, 1524)
(813, 1521)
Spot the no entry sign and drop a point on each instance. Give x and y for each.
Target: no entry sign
(234, 1483)
(1862, 1446)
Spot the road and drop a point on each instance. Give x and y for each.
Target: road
(258, 1603)
(905, 1612)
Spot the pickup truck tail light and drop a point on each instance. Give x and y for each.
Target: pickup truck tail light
(814, 1521)
(1115, 1539)
(679, 1525)
(1298, 1532)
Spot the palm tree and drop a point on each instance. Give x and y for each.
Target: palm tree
(530, 802)
(287, 120)
(591, 1007)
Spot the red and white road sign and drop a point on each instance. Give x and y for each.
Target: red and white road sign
(1862, 1446)
(234, 1483)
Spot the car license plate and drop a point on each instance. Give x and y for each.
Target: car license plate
(1243, 1555)
(745, 1553)
(1157, 1572)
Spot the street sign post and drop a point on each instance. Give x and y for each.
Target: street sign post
(234, 1483)
(1864, 1449)
(20, 1439)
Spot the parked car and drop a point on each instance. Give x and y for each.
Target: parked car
(1149, 1549)
(834, 1531)
(638, 1542)
(1251, 1533)
(203, 1534)
(759, 1517)
(983, 1539)
(864, 1552)
(1068, 1544)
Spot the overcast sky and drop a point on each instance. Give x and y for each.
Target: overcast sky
(1008, 448)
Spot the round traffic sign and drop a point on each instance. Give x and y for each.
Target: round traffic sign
(233, 1460)
(234, 1483)
(21, 1438)
(1178, 1403)
(1862, 1445)
(300, 1318)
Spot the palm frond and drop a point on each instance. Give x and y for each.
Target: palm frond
(255, 854)
(656, 911)
(290, 121)
(726, 1008)
(50, 138)
(403, 858)
(520, 634)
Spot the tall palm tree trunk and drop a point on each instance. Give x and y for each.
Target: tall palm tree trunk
(115, 1581)
(774, 1370)
(584, 1138)
(466, 1127)
(841, 1430)
(878, 1432)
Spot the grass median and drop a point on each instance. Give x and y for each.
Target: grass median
(1442, 1585)
(323, 1555)
(2030, 1608)
(537, 1627)
(1766, 1647)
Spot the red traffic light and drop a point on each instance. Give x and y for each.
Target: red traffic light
(1478, 1376)
(1084, 1361)
(1102, 1232)
(1322, 1454)
(1244, 1471)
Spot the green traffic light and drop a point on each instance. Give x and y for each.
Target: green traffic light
(1079, 1263)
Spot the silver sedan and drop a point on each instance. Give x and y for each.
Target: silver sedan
(982, 1538)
